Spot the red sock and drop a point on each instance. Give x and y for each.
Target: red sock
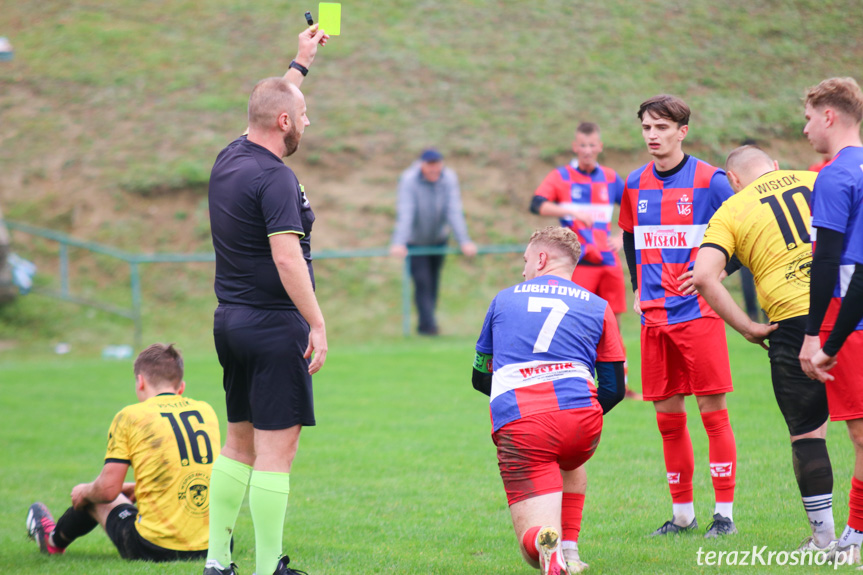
(723, 454)
(679, 460)
(573, 506)
(529, 542)
(855, 504)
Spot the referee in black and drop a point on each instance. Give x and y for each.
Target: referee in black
(269, 331)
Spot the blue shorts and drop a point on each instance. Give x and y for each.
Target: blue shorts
(266, 378)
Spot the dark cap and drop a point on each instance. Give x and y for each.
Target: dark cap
(431, 155)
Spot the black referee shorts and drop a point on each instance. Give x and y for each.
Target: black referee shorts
(120, 526)
(266, 378)
(802, 401)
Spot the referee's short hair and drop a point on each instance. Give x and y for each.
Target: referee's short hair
(269, 99)
(161, 364)
(561, 240)
(842, 94)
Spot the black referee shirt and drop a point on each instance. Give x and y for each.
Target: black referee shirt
(254, 195)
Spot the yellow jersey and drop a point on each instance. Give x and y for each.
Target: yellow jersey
(767, 225)
(171, 442)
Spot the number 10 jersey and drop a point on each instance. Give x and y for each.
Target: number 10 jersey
(171, 442)
(545, 336)
(767, 225)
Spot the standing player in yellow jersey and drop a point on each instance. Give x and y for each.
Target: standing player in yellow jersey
(765, 225)
(171, 442)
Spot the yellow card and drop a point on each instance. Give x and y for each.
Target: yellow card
(330, 17)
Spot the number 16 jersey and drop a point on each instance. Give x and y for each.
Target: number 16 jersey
(767, 225)
(171, 442)
(545, 336)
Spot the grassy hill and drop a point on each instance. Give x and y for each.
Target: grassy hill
(112, 112)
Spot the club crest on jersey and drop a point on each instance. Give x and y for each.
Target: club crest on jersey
(673, 477)
(684, 205)
(642, 206)
(603, 193)
(720, 469)
(576, 191)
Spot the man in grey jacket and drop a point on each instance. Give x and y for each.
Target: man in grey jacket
(429, 207)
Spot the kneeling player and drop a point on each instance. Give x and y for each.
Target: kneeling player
(170, 441)
(544, 339)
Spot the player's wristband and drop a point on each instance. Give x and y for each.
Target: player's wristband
(299, 67)
(482, 362)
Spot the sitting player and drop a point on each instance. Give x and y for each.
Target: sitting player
(171, 442)
(544, 339)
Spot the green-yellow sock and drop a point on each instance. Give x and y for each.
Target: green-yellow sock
(268, 501)
(228, 482)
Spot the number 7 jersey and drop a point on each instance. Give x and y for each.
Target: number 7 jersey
(766, 225)
(171, 442)
(545, 336)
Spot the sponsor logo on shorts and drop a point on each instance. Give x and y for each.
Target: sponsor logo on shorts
(125, 513)
(673, 477)
(720, 469)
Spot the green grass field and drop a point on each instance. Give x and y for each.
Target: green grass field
(400, 474)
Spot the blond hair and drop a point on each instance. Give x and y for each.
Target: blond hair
(561, 240)
(841, 94)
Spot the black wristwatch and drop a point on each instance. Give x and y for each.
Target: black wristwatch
(297, 66)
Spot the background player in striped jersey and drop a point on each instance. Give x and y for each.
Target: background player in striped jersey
(582, 194)
(172, 473)
(764, 224)
(541, 342)
(665, 209)
(834, 111)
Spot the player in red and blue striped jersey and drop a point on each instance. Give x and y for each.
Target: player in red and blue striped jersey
(551, 359)
(582, 196)
(834, 112)
(664, 212)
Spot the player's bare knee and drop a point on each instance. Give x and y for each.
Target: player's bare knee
(708, 403)
(855, 432)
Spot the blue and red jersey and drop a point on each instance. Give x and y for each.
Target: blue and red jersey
(596, 193)
(668, 215)
(837, 204)
(545, 336)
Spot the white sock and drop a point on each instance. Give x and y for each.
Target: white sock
(724, 509)
(850, 537)
(683, 513)
(568, 545)
(819, 509)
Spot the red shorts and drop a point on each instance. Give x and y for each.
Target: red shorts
(685, 358)
(845, 393)
(531, 451)
(605, 281)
